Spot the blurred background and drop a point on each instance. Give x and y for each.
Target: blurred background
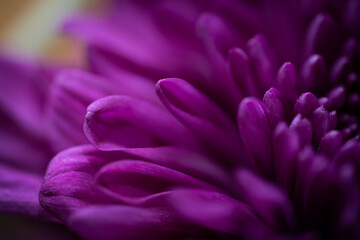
(31, 27)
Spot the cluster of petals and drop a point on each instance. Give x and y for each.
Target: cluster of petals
(251, 133)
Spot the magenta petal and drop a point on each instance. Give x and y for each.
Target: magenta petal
(186, 161)
(320, 119)
(286, 146)
(121, 80)
(20, 149)
(114, 222)
(132, 180)
(275, 106)
(255, 133)
(72, 92)
(268, 201)
(115, 122)
(215, 32)
(67, 106)
(19, 193)
(287, 81)
(69, 181)
(305, 104)
(303, 128)
(336, 99)
(218, 212)
(349, 152)
(218, 37)
(331, 143)
(204, 118)
(322, 36)
(318, 190)
(262, 56)
(313, 74)
(240, 69)
(340, 70)
(25, 84)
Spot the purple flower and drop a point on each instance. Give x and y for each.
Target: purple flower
(254, 133)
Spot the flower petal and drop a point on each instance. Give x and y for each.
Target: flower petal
(195, 164)
(19, 193)
(313, 73)
(204, 118)
(116, 122)
(287, 80)
(268, 201)
(69, 181)
(255, 133)
(115, 222)
(305, 104)
(276, 111)
(303, 128)
(133, 180)
(218, 212)
(286, 147)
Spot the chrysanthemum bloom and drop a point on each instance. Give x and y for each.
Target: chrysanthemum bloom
(255, 138)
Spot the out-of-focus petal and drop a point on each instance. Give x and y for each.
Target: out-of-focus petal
(255, 131)
(126, 222)
(219, 212)
(269, 201)
(132, 180)
(19, 193)
(201, 116)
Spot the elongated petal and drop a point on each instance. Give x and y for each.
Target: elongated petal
(183, 160)
(286, 146)
(21, 149)
(204, 118)
(336, 99)
(69, 100)
(320, 119)
(19, 193)
(269, 201)
(263, 58)
(303, 128)
(305, 104)
(218, 212)
(218, 38)
(115, 122)
(76, 166)
(331, 143)
(132, 180)
(255, 133)
(115, 222)
(287, 81)
(276, 111)
(23, 83)
(240, 69)
(313, 74)
(322, 36)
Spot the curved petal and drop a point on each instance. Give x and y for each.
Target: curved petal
(269, 201)
(255, 132)
(218, 212)
(204, 118)
(69, 182)
(115, 122)
(19, 193)
(132, 180)
(115, 222)
(186, 161)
